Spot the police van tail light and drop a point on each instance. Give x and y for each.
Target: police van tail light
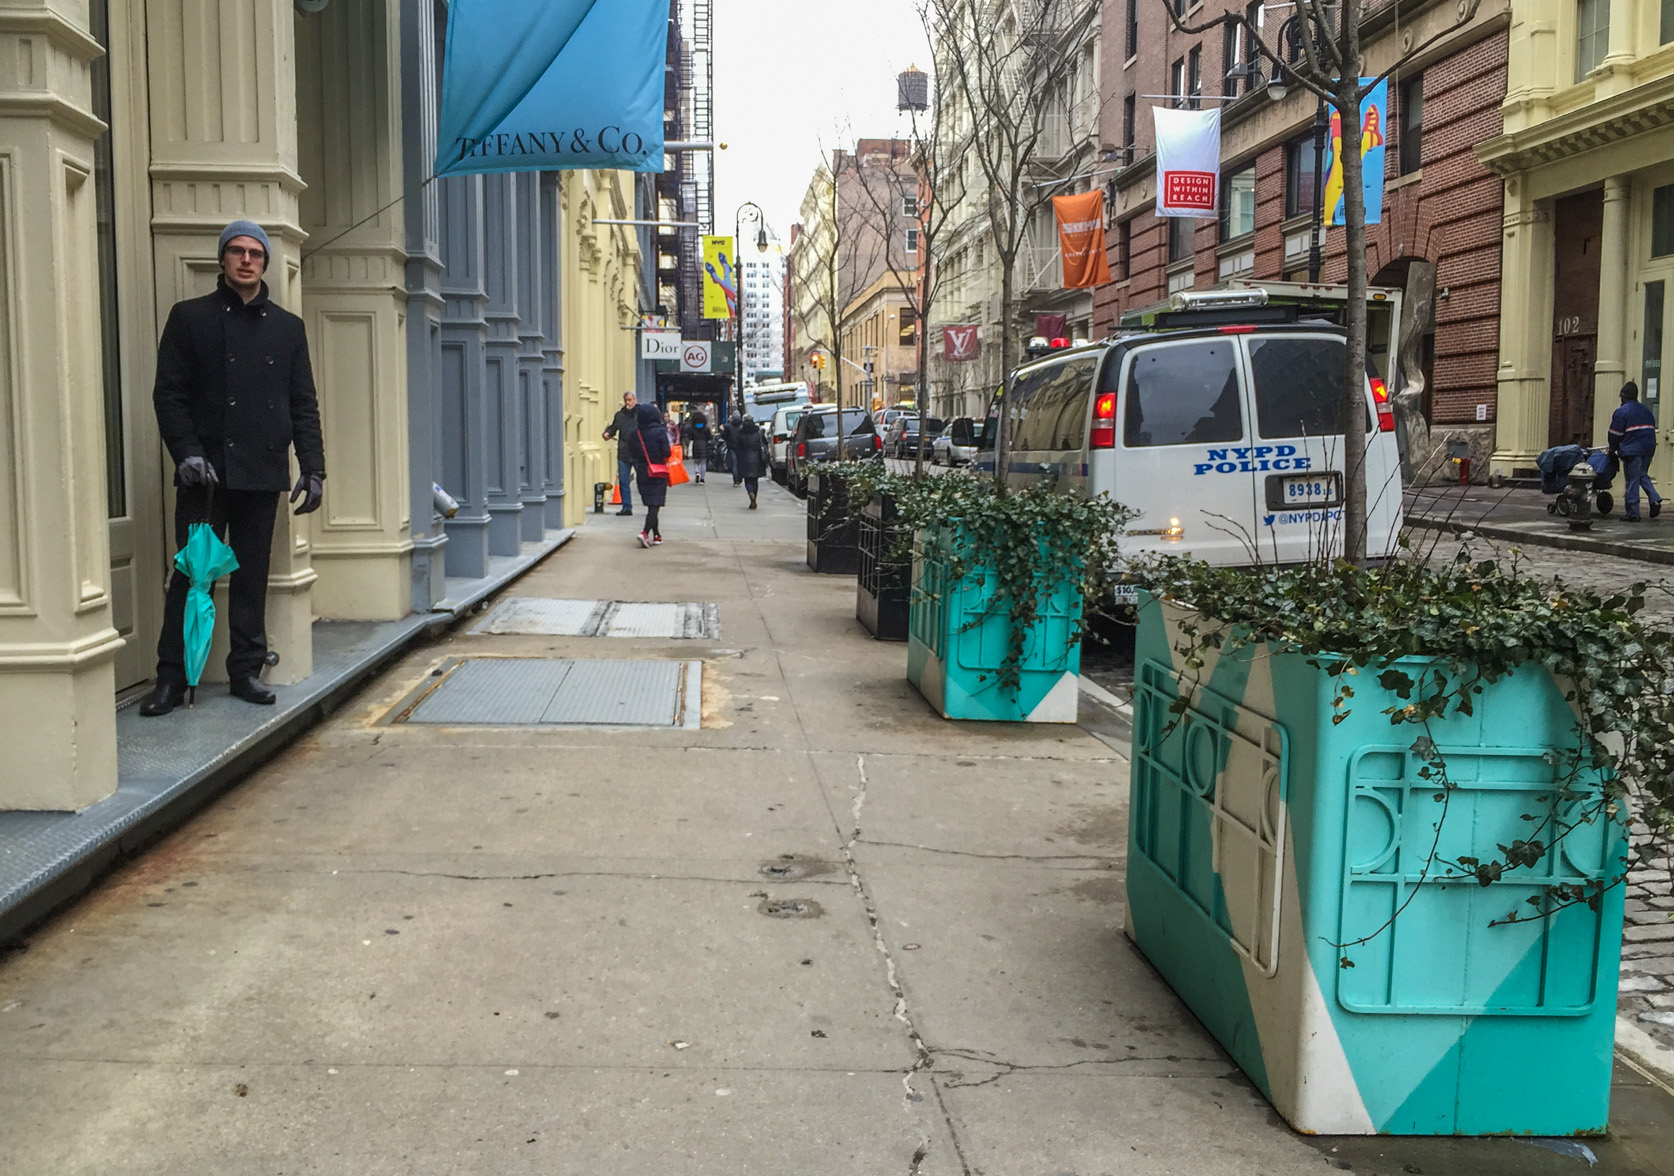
(1386, 410)
(1104, 421)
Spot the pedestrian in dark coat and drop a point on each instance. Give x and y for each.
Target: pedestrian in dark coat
(752, 456)
(622, 427)
(729, 434)
(1633, 437)
(234, 394)
(651, 445)
(696, 432)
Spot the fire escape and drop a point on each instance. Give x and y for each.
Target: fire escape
(690, 185)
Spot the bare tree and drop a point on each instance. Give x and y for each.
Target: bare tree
(1005, 57)
(935, 192)
(1319, 49)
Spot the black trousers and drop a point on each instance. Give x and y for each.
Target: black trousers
(245, 519)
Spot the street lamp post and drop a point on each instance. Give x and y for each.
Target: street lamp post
(1277, 88)
(738, 280)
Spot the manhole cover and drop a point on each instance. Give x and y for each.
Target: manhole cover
(558, 692)
(542, 616)
(790, 908)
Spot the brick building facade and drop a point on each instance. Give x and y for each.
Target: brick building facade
(1442, 206)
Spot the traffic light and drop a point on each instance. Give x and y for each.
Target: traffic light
(818, 361)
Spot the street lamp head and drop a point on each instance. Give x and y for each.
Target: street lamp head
(1277, 87)
(761, 240)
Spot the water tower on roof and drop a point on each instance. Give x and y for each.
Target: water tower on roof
(912, 89)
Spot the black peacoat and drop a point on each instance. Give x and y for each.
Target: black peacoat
(234, 385)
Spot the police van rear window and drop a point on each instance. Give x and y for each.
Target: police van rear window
(1183, 394)
(1298, 385)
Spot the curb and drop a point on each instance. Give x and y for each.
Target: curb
(1568, 542)
(1645, 1053)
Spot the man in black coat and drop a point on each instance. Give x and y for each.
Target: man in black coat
(234, 393)
(623, 426)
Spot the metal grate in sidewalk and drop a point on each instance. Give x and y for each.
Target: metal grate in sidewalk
(542, 616)
(558, 692)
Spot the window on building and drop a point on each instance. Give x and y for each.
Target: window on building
(1133, 28)
(909, 206)
(1124, 250)
(1194, 76)
(1650, 371)
(1180, 231)
(1666, 33)
(1411, 145)
(1299, 176)
(1232, 57)
(1662, 221)
(1177, 82)
(912, 241)
(1238, 204)
(1592, 35)
(1128, 107)
(909, 327)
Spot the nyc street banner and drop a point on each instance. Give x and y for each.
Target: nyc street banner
(960, 344)
(1188, 161)
(1374, 112)
(532, 85)
(720, 279)
(1081, 239)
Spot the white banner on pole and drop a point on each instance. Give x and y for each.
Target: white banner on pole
(659, 344)
(1188, 161)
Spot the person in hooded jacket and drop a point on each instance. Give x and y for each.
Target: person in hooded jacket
(752, 456)
(729, 434)
(650, 446)
(1633, 437)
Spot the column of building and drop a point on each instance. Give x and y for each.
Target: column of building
(501, 257)
(531, 401)
(464, 338)
(552, 353)
(355, 303)
(422, 239)
(1614, 266)
(1523, 400)
(57, 642)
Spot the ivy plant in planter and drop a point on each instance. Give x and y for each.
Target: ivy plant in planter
(1377, 834)
(999, 586)
(837, 491)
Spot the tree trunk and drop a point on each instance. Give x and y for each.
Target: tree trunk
(1002, 440)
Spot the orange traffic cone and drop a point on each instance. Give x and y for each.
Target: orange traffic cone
(616, 494)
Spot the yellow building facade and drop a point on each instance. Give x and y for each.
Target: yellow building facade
(131, 131)
(1587, 283)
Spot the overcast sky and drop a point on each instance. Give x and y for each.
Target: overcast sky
(792, 76)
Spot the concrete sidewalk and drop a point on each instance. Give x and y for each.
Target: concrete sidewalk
(1519, 515)
(425, 949)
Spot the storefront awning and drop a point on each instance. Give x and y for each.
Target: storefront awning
(534, 85)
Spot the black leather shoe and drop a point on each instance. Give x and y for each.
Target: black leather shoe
(624, 511)
(164, 697)
(252, 690)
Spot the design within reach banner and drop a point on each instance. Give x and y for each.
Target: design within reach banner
(533, 85)
(1188, 161)
(961, 344)
(720, 281)
(1374, 111)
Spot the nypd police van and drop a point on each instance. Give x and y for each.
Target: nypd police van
(1221, 427)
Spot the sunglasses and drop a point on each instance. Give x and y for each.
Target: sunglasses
(252, 254)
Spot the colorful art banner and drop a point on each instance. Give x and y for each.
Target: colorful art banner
(1081, 239)
(1374, 117)
(536, 85)
(720, 279)
(1188, 161)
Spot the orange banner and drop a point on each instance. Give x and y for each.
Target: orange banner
(1081, 239)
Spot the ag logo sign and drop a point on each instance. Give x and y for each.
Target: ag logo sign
(694, 356)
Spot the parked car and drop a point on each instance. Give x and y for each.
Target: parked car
(957, 444)
(1223, 429)
(779, 435)
(815, 440)
(901, 437)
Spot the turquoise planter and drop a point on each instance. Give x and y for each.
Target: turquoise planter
(1262, 835)
(955, 644)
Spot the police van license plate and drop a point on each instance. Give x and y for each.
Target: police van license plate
(1313, 490)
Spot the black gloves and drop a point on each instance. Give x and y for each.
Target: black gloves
(196, 471)
(309, 487)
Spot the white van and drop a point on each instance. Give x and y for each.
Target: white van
(779, 435)
(1226, 439)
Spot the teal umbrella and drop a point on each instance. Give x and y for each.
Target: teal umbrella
(203, 560)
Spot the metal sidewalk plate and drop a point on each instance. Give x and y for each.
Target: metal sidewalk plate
(543, 616)
(558, 692)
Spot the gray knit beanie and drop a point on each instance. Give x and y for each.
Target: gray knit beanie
(245, 228)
